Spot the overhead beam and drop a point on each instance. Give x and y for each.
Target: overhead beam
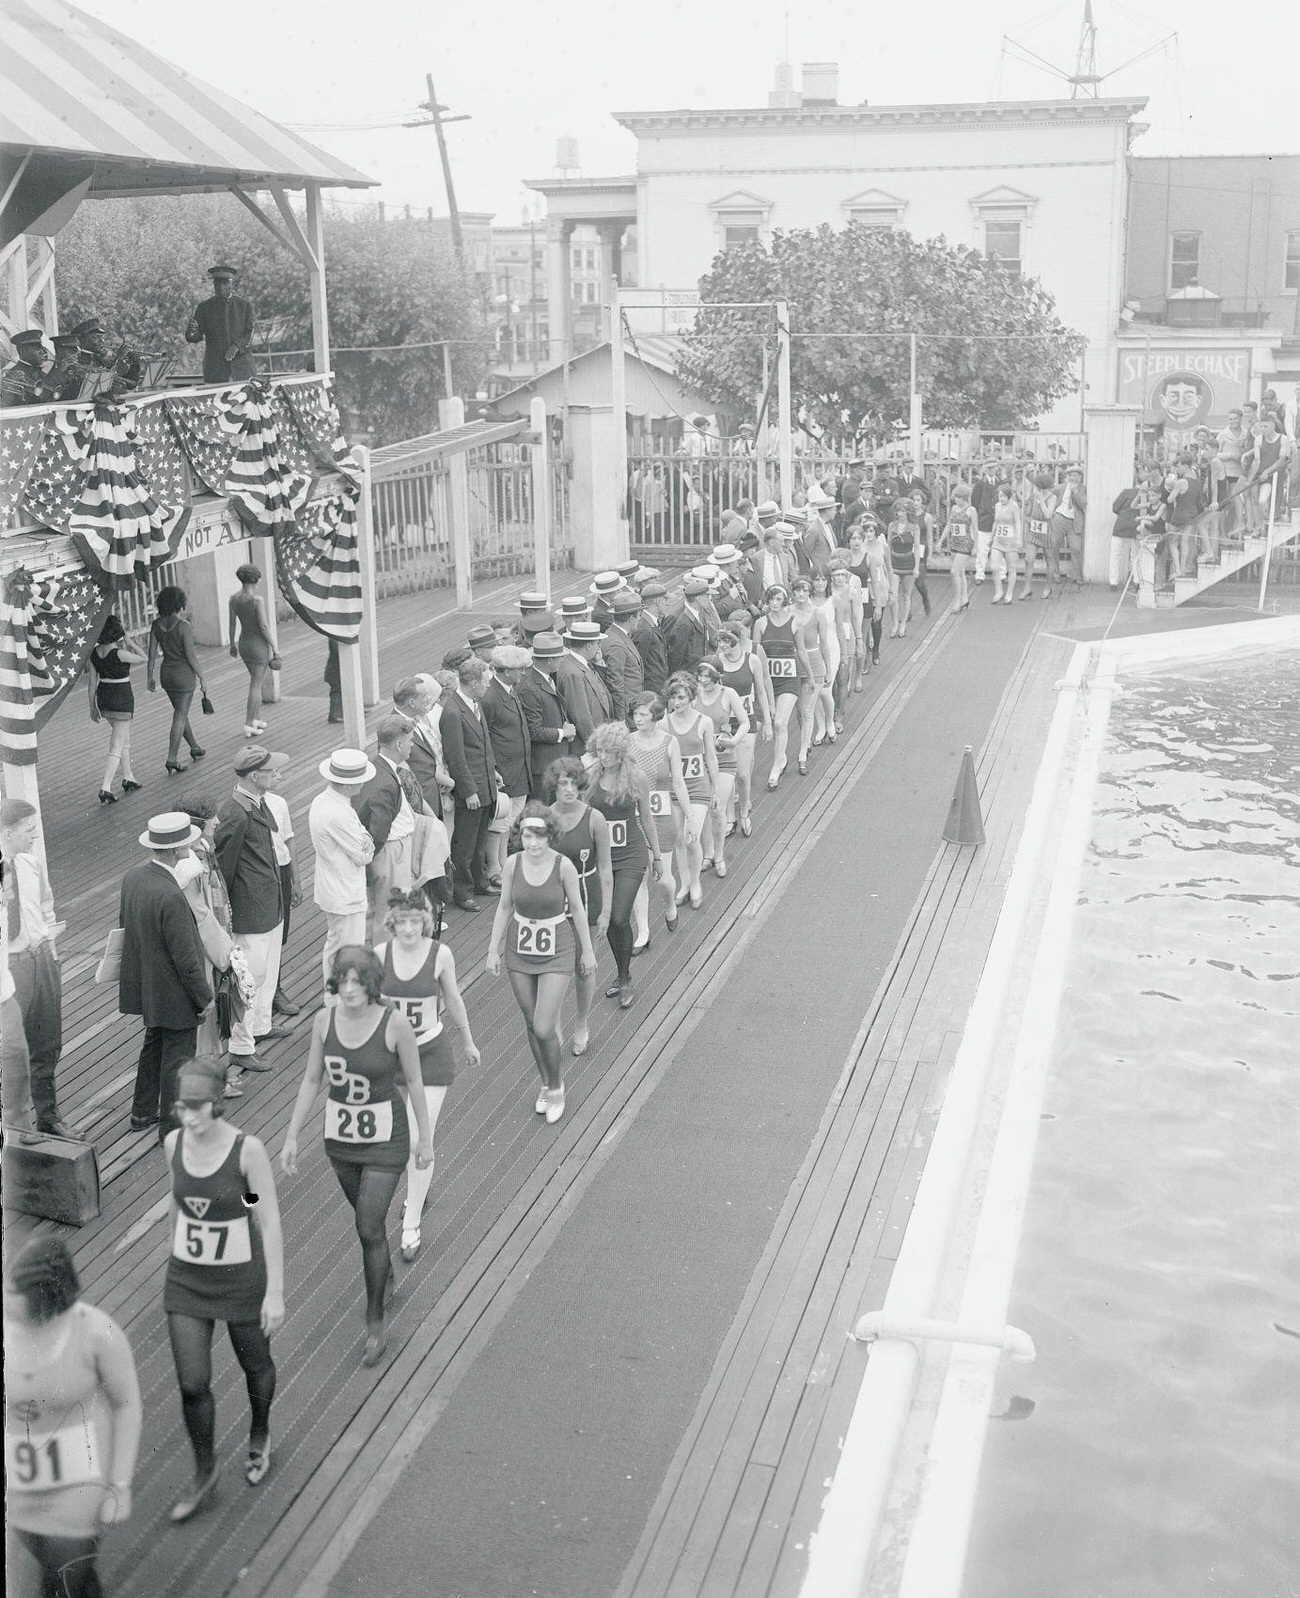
(320, 316)
(293, 226)
(272, 227)
(14, 182)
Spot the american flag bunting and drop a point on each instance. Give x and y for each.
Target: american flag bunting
(19, 444)
(265, 492)
(318, 565)
(47, 629)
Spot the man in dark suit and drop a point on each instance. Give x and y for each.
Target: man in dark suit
(224, 325)
(508, 726)
(245, 849)
(585, 696)
(467, 749)
(648, 636)
(624, 673)
(550, 732)
(163, 978)
(686, 635)
(388, 815)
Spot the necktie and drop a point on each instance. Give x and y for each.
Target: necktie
(13, 909)
(411, 788)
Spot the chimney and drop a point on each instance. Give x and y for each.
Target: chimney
(783, 96)
(821, 82)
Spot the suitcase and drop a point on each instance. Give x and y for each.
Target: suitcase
(55, 1178)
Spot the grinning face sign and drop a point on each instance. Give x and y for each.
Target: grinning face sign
(1183, 398)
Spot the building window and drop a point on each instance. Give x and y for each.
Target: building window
(869, 217)
(740, 218)
(1002, 241)
(1184, 260)
(875, 208)
(737, 232)
(1291, 265)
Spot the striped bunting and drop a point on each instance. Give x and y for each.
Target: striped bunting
(208, 446)
(318, 564)
(117, 526)
(264, 490)
(46, 631)
(313, 409)
(54, 482)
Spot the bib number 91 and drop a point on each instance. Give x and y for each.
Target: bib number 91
(372, 1123)
(65, 1458)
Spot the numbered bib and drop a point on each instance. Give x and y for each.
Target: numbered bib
(747, 705)
(422, 1013)
(618, 834)
(370, 1123)
(782, 666)
(660, 801)
(66, 1458)
(212, 1242)
(537, 938)
(692, 766)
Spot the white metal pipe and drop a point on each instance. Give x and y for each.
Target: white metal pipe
(540, 462)
(618, 399)
(785, 425)
(1268, 544)
(841, 1549)
(1010, 1339)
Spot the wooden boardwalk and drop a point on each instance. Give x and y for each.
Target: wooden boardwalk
(745, 1489)
(503, 1184)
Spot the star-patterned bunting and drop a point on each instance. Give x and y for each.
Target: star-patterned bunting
(19, 442)
(318, 566)
(265, 492)
(47, 629)
(159, 457)
(54, 482)
(208, 446)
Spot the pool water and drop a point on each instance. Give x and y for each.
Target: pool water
(1153, 1449)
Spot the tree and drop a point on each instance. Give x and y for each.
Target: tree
(1000, 359)
(141, 266)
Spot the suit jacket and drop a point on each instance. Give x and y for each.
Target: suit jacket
(624, 673)
(245, 850)
(467, 749)
(510, 741)
(585, 697)
(378, 802)
(221, 323)
(648, 636)
(424, 760)
(730, 594)
(687, 641)
(163, 976)
(545, 715)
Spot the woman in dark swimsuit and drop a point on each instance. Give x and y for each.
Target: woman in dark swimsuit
(113, 700)
(172, 638)
(583, 837)
(254, 646)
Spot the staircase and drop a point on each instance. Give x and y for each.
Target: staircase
(1233, 555)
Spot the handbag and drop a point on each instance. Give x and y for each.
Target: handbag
(109, 968)
(275, 663)
(206, 705)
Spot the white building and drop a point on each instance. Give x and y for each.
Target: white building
(1041, 183)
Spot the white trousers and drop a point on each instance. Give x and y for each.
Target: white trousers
(341, 928)
(262, 952)
(417, 1181)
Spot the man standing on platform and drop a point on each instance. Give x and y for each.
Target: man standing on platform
(467, 749)
(245, 851)
(414, 700)
(33, 957)
(686, 635)
(224, 326)
(550, 732)
(343, 851)
(508, 724)
(389, 817)
(163, 978)
(624, 672)
(647, 633)
(583, 691)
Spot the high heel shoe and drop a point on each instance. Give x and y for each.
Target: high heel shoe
(106, 798)
(130, 785)
(173, 766)
(196, 753)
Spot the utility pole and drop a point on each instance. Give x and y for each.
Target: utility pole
(438, 122)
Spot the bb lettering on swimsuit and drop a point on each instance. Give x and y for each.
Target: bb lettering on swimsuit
(618, 834)
(356, 1088)
(65, 1458)
(373, 1124)
(212, 1242)
(660, 800)
(782, 666)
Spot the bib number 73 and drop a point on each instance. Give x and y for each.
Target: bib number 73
(692, 766)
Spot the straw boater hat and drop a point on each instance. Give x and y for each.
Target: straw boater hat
(576, 607)
(582, 632)
(724, 555)
(768, 511)
(707, 574)
(548, 646)
(627, 569)
(173, 830)
(605, 584)
(531, 603)
(347, 766)
(818, 498)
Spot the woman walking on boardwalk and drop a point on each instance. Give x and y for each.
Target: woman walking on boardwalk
(779, 650)
(368, 1054)
(742, 671)
(171, 642)
(539, 914)
(72, 1424)
(618, 789)
(693, 735)
(225, 1262)
(420, 983)
(812, 630)
(1004, 552)
(113, 700)
(656, 752)
(582, 836)
(962, 531)
(247, 616)
(724, 708)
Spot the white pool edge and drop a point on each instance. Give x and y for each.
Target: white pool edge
(843, 1546)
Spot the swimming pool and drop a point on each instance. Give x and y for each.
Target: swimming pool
(1153, 1448)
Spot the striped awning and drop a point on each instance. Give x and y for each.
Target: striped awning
(78, 99)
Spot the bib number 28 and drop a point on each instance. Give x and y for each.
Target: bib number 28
(372, 1123)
